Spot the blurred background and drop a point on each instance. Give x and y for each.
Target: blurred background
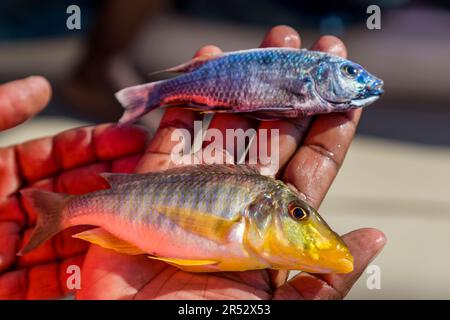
(396, 176)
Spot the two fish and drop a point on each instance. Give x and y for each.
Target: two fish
(218, 217)
(201, 218)
(267, 84)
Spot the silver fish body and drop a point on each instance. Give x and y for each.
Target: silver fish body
(267, 83)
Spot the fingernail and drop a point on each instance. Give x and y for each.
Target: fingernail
(381, 239)
(292, 40)
(336, 49)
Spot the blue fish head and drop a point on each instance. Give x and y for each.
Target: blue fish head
(345, 84)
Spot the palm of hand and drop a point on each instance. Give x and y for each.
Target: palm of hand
(110, 275)
(311, 154)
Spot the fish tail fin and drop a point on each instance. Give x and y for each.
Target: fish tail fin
(49, 207)
(138, 100)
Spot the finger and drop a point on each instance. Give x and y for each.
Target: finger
(289, 132)
(10, 234)
(331, 44)
(22, 99)
(364, 244)
(277, 278)
(9, 172)
(230, 126)
(81, 180)
(11, 211)
(78, 147)
(12, 220)
(126, 164)
(48, 281)
(111, 141)
(208, 50)
(280, 36)
(316, 163)
(45, 157)
(157, 155)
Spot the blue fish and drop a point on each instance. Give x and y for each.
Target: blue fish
(266, 84)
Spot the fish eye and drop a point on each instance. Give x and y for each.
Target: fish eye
(297, 213)
(350, 71)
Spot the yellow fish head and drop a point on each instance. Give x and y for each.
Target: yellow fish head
(295, 237)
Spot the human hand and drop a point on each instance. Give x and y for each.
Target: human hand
(311, 152)
(69, 162)
(22, 99)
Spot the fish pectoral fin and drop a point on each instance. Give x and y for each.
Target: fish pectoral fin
(185, 262)
(104, 239)
(201, 223)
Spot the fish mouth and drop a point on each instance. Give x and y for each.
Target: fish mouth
(369, 94)
(375, 88)
(336, 258)
(333, 262)
(343, 264)
(364, 101)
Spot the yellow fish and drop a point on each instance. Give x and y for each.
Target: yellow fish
(201, 218)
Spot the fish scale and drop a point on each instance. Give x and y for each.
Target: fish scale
(194, 190)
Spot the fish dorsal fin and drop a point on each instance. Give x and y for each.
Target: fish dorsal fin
(216, 169)
(190, 65)
(201, 223)
(245, 169)
(103, 238)
(115, 179)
